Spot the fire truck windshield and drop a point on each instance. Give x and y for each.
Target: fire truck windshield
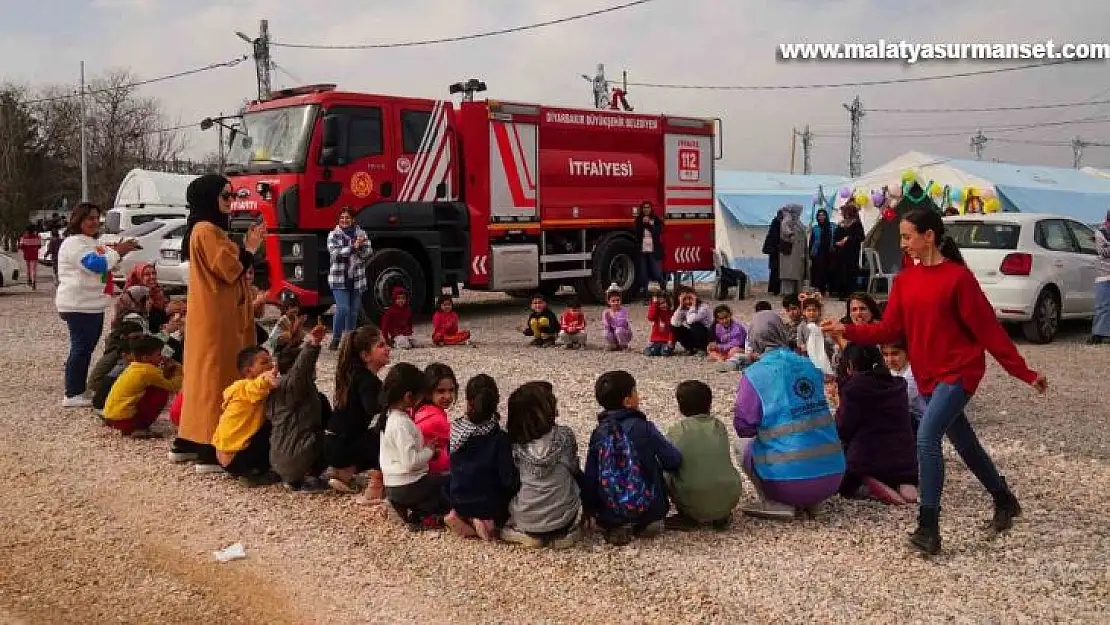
(272, 139)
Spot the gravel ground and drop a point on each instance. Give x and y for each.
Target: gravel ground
(98, 528)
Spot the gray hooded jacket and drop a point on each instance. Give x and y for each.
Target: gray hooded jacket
(549, 497)
(296, 413)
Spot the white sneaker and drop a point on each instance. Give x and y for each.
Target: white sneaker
(77, 402)
(772, 510)
(206, 469)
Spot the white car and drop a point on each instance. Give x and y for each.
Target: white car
(1036, 269)
(150, 236)
(9, 270)
(172, 271)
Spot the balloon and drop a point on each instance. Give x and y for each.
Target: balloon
(909, 176)
(956, 194)
(877, 198)
(888, 214)
(986, 194)
(845, 193)
(861, 199)
(894, 191)
(992, 205)
(936, 191)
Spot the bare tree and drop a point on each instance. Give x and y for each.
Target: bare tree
(21, 161)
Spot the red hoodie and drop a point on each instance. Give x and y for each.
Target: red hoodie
(572, 322)
(433, 423)
(947, 322)
(660, 318)
(445, 323)
(397, 320)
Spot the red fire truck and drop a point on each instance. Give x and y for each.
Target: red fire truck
(492, 195)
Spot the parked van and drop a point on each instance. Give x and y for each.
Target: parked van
(144, 196)
(122, 218)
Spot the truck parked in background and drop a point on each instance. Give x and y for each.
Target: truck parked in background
(492, 195)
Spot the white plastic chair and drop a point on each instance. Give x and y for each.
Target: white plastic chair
(875, 270)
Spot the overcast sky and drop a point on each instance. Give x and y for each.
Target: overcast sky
(668, 41)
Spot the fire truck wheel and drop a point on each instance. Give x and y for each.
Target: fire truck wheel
(390, 268)
(614, 261)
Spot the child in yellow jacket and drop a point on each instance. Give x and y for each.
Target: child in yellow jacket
(143, 389)
(242, 437)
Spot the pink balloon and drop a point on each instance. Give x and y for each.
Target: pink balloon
(895, 191)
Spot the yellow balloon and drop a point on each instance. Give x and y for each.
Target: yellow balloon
(862, 199)
(992, 205)
(908, 176)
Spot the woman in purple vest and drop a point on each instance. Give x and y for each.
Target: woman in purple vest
(788, 439)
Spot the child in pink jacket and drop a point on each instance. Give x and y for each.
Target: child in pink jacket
(440, 391)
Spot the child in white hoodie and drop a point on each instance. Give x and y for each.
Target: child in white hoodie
(415, 494)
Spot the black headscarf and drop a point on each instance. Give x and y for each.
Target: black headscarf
(203, 196)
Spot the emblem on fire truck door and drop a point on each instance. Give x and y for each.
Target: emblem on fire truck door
(362, 185)
(404, 165)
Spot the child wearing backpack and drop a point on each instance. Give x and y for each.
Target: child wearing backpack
(624, 490)
(707, 487)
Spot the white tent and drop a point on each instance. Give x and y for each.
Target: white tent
(1101, 173)
(152, 188)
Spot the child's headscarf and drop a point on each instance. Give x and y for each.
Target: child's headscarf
(135, 278)
(767, 332)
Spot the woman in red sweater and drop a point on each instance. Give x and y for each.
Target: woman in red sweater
(937, 306)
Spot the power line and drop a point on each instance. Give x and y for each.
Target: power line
(935, 132)
(994, 109)
(457, 38)
(865, 83)
(148, 81)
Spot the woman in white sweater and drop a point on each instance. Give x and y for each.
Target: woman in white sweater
(84, 269)
(417, 495)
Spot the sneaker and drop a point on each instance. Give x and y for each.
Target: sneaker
(308, 486)
(619, 536)
(568, 540)
(205, 468)
(182, 451)
(206, 462)
(80, 401)
(680, 523)
(651, 530)
(342, 485)
(770, 510)
(510, 535)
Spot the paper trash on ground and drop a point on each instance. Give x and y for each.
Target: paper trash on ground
(231, 552)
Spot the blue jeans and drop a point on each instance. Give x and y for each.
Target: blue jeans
(944, 414)
(84, 334)
(347, 305)
(651, 269)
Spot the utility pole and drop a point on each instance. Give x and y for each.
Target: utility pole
(84, 142)
(793, 147)
(855, 151)
(807, 145)
(1077, 146)
(221, 160)
(261, 53)
(978, 144)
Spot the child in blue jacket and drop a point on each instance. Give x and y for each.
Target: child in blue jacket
(642, 485)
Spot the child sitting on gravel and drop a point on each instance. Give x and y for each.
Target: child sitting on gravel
(542, 326)
(445, 324)
(483, 476)
(143, 389)
(624, 489)
(440, 392)
(289, 328)
(618, 331)
(729, 335)
(397, 321)
(118, 336)
(547, 510)
(873, 422)
(792, 306)
(352, 439)
(661, 341)
(297, 412)
(707, 487)
(415, 493)
(242, 437)
(897, 360)
(573, 323)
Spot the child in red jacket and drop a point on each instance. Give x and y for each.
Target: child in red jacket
(396, 323)
(573, 324)
(445, 324)
(661, 341)
(441, 389)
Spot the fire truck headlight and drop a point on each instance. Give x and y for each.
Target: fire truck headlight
(298, 273)
(297, 250)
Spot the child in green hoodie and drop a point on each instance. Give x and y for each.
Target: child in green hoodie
(707, 487)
